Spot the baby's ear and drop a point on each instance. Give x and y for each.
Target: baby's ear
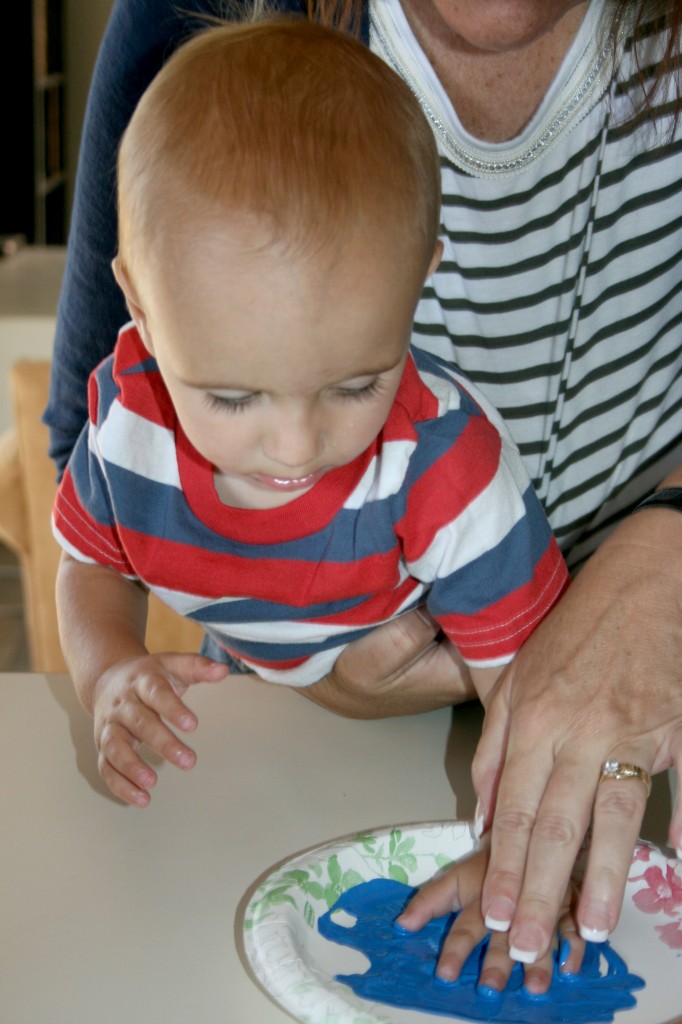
(435, 259)
(133, 301)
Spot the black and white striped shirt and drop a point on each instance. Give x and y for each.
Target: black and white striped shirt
(560, 290)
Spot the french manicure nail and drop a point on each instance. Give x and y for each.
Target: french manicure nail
(678, 853)
(499, 915)
(524, 956)
(593, 934)
(494, 924)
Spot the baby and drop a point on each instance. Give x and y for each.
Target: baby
(266, 450)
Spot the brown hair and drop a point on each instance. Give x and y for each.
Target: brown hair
(287, 120)
(642, 19)
(342, 14)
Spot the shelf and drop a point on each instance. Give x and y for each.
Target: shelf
(33, 202)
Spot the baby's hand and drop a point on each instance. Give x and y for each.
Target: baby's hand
(459, 888)
(138, 701)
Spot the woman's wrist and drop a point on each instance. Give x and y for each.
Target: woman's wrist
(666, 497)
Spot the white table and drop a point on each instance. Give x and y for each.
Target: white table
(112, 915)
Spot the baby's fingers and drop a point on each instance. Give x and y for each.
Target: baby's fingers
(122, 769)
(454, 889)
(498, 965)
(567, 948)
(159, 688)
(126, 774)
(141, 720)
(465, 934)
(458, 888)
(537, 977)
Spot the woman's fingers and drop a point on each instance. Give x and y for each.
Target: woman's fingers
(619, 808)
(458, 889)
(599, 678)
(534, 850)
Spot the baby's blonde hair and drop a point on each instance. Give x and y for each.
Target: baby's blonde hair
(294, 123)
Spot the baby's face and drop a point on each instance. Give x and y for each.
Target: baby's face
(280, 367)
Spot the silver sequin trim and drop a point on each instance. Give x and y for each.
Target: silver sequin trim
(464, 158)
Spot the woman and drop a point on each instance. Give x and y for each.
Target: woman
(560, 295)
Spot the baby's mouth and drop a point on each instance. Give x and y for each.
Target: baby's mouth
(280, 483)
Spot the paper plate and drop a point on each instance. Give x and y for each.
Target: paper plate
(297, 966)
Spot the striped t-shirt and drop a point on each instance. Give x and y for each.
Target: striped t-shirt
(438, 511)
(560, 291)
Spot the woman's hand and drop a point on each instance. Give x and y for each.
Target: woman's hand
(400, 668)
(601, 678)
(459, 888)
(139, 701)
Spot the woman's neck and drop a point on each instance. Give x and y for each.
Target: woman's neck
(494, 92)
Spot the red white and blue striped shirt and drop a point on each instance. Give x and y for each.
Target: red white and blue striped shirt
(438, 511)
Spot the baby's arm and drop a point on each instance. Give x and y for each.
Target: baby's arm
(130, 693)
(459, 888)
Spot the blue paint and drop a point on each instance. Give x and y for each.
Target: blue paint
(402, 966)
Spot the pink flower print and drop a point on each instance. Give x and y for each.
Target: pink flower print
(671, 934)
(663, 892)
(642, 852)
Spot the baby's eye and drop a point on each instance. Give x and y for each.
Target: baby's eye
(364, 391)
(224, 404)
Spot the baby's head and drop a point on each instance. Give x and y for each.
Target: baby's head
(279, 199)
(296, 126)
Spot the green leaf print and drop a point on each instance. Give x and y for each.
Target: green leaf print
(313, 889)
(351, 878)
(396, 835)
(398, 874)
(323, 881)
(334, 870)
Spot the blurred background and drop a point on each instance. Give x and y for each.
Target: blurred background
(49, 50)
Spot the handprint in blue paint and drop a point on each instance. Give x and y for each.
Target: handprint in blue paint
(402, 968)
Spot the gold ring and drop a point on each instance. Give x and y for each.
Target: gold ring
(618, 770)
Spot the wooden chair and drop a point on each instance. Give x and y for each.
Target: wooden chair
(27, 489)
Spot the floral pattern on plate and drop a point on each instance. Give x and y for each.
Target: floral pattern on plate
(661, 893)
(297, 966)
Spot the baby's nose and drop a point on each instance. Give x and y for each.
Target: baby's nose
(295, 441)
